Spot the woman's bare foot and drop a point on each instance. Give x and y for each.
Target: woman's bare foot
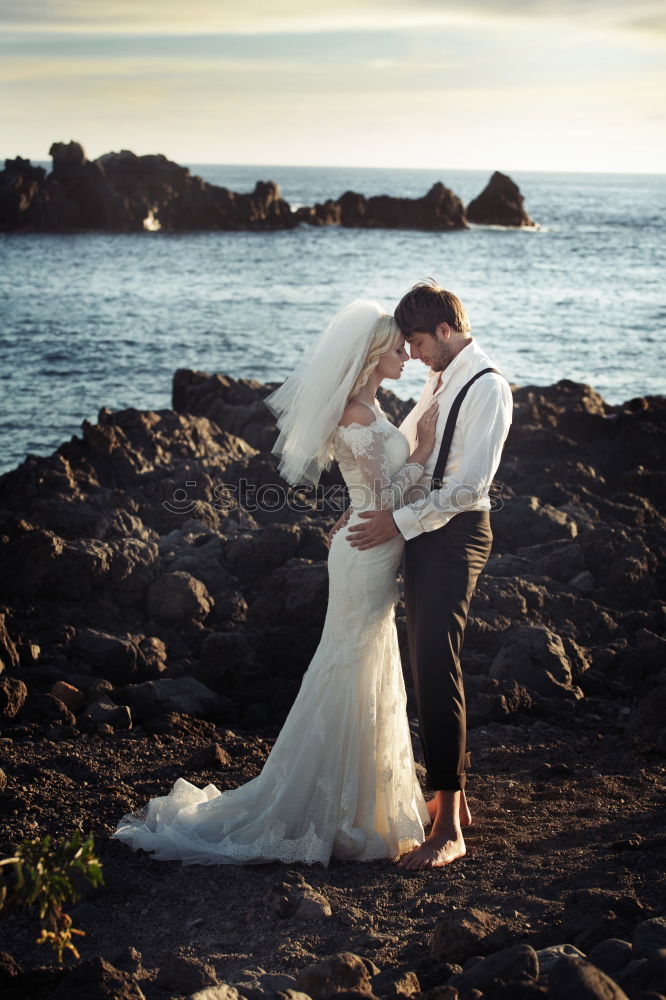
(464, 815)
(441, 848)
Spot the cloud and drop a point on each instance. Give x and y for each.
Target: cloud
(265, 16)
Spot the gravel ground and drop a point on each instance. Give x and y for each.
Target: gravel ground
(593, 819)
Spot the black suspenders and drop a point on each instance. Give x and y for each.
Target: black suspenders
(447, 437)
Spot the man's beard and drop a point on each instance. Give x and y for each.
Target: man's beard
(442, 360)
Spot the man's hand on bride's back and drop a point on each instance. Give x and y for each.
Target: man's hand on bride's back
(340, 523)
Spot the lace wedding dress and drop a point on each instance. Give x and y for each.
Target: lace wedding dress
(340, 780)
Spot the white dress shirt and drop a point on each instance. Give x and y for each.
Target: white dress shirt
(481, 429)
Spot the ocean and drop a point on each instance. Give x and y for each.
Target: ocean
(91, 320)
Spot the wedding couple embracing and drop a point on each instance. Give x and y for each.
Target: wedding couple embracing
(340, 780)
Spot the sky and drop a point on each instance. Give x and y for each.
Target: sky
(573, 85)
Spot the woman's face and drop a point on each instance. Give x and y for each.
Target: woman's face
(391, 364)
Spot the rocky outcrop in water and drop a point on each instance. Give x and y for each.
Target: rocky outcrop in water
(439, 210)
(499, 204)
(122, 192)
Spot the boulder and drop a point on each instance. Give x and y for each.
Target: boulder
(9, 654)
(395, 983)
(69, 695)
(505, 966)
(534, 656)
(178, 598)
(28, 561)
(312, 905)
(592, 915)
(96, 979)
(229, 665)
(524, 522)
(153, 660)
(132, 570)
(82, 566)
(220, 992)
(577, 979)
(340, 973)
(185, 974)
(104, 712)
(611, 955)
(114, 657)
(184, 695)
(13, 693)
(45, 708)
(649, 937)
(643, 976)
(462, 933)
(549, 956)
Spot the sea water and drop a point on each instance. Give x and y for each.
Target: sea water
(99, 319)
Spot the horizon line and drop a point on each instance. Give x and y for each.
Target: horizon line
(363, 166)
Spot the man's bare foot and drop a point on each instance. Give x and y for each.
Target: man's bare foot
(464, 815)
(439, 849)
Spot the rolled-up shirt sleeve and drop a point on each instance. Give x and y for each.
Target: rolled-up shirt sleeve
(484, 419)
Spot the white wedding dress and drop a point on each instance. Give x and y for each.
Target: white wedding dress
(340, 780)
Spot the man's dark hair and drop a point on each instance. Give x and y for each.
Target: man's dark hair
(427, 305)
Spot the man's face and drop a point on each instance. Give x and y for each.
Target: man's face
(434, 350)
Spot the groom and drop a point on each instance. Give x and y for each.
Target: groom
(448, 541)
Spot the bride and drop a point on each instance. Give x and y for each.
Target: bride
(340, 780)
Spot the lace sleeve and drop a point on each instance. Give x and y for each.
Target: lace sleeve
(366, 446)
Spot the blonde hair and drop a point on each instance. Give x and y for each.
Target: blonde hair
(385, 335)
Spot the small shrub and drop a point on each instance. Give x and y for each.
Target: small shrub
(43, 875)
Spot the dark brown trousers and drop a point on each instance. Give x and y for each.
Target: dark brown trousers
(441, 569)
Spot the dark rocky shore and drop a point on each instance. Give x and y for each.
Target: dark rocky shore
(122, 192)
(160, 602)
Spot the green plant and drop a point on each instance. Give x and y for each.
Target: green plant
(43, 875)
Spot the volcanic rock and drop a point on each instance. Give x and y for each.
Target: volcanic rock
(184, 974)
(534, 656)
(96, 979)
(577, 979)
(183, 694)
(179, 597)
(462, 933)
(499, 204)
(649, 937)
(13, 694)
(340, 973)
(611, 955)
(507, 965)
